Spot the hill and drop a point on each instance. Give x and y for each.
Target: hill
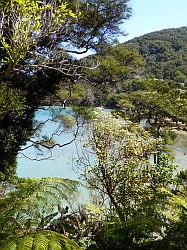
(165, 53)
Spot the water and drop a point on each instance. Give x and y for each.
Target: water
(180, 150)
(61, 162)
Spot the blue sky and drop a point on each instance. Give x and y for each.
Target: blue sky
(153, 15)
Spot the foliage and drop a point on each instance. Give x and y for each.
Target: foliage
(126, 178)
(21, 36)
(31, 201)
(11, 101)
(72, 93)
(158, 56)
(116, 64)
(84, 112)
(67, 119)
(81, 225)
(22, 25)
(161, 105)
(35, 39)
(100, 22)
(145, 204)
(176, 214)
(45, 240)
(164, 54)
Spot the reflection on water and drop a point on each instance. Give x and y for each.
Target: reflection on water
(61, 162)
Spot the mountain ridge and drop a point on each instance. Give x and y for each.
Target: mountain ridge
(182, 28)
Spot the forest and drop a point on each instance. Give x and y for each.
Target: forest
(137, 193)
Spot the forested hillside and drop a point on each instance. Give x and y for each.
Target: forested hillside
(160, 55)
(165, 53)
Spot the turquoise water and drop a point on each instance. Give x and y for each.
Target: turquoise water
(61, 161)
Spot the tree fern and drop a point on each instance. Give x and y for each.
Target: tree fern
(177, 206)
(44, 240)
(30, 201)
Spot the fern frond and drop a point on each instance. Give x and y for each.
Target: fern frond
(178, 200)
(32, 199)
(44, 240)
(176, 207)
(26, 243)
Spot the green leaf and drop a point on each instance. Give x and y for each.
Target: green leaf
(44, 240)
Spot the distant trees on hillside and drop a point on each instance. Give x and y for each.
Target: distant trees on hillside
(164, 53)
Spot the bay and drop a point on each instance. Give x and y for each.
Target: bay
(62, 161)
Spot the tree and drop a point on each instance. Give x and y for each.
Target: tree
(34, 41)
(123, 173)
(116, 65)
(162, 104)
(158, 105)
(27, 207)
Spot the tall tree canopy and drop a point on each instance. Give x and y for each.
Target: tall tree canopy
(116, 65)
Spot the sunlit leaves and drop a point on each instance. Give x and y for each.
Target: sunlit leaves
(124, 169)
(28, 24)
(46, 240)
(67, 120)
(126, 138)
(125, 176)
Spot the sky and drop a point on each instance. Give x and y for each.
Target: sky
(154, 15)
